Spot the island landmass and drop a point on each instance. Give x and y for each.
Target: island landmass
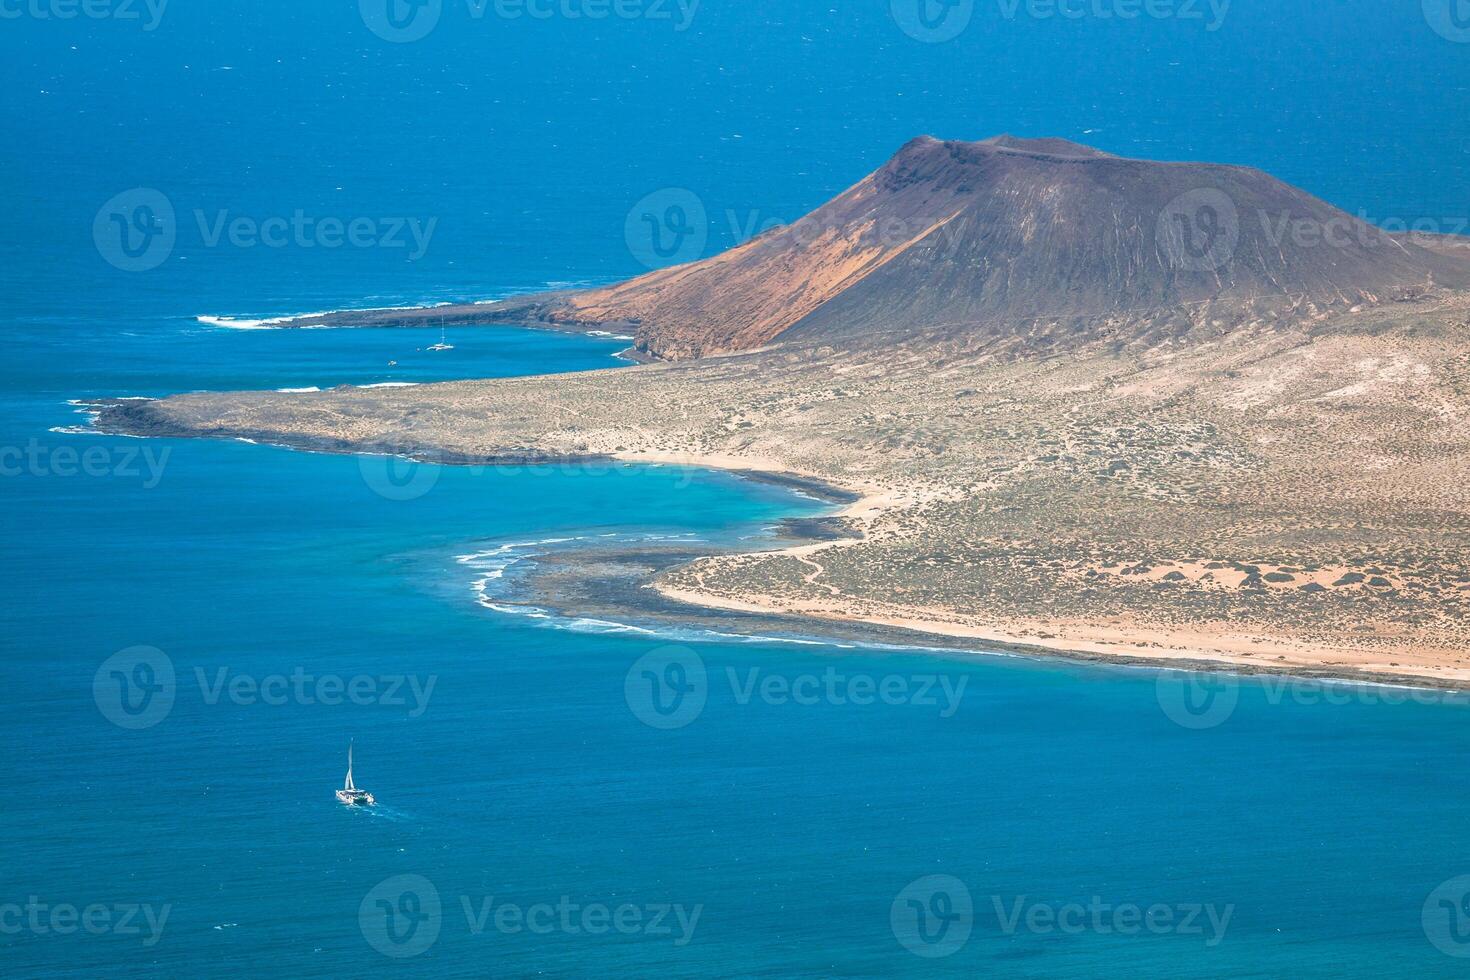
(1069, 419)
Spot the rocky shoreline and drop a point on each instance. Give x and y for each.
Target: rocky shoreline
(617, 582)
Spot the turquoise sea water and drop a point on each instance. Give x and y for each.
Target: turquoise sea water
(783, 830)
(526, 773)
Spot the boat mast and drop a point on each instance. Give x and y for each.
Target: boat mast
(349, 767)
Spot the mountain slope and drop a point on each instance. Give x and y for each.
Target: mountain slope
(966, 237)
(1051, 235)
(1043, 238)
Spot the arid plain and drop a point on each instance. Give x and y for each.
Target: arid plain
(1294, 499)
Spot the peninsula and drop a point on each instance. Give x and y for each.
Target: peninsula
(1089, 404)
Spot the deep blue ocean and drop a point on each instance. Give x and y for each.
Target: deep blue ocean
(193, 631)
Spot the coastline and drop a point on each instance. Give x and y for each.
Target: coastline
(526, 312)
(859, 506)
(539, 309)
(617, 583)
(1136, 646)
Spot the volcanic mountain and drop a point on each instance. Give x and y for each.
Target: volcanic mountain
(1042, 241)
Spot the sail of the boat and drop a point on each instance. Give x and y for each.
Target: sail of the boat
(349, 768)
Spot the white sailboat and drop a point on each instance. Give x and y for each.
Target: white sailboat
(441, 345)
(349, 793)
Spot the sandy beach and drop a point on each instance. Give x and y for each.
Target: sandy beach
(1200, 648)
